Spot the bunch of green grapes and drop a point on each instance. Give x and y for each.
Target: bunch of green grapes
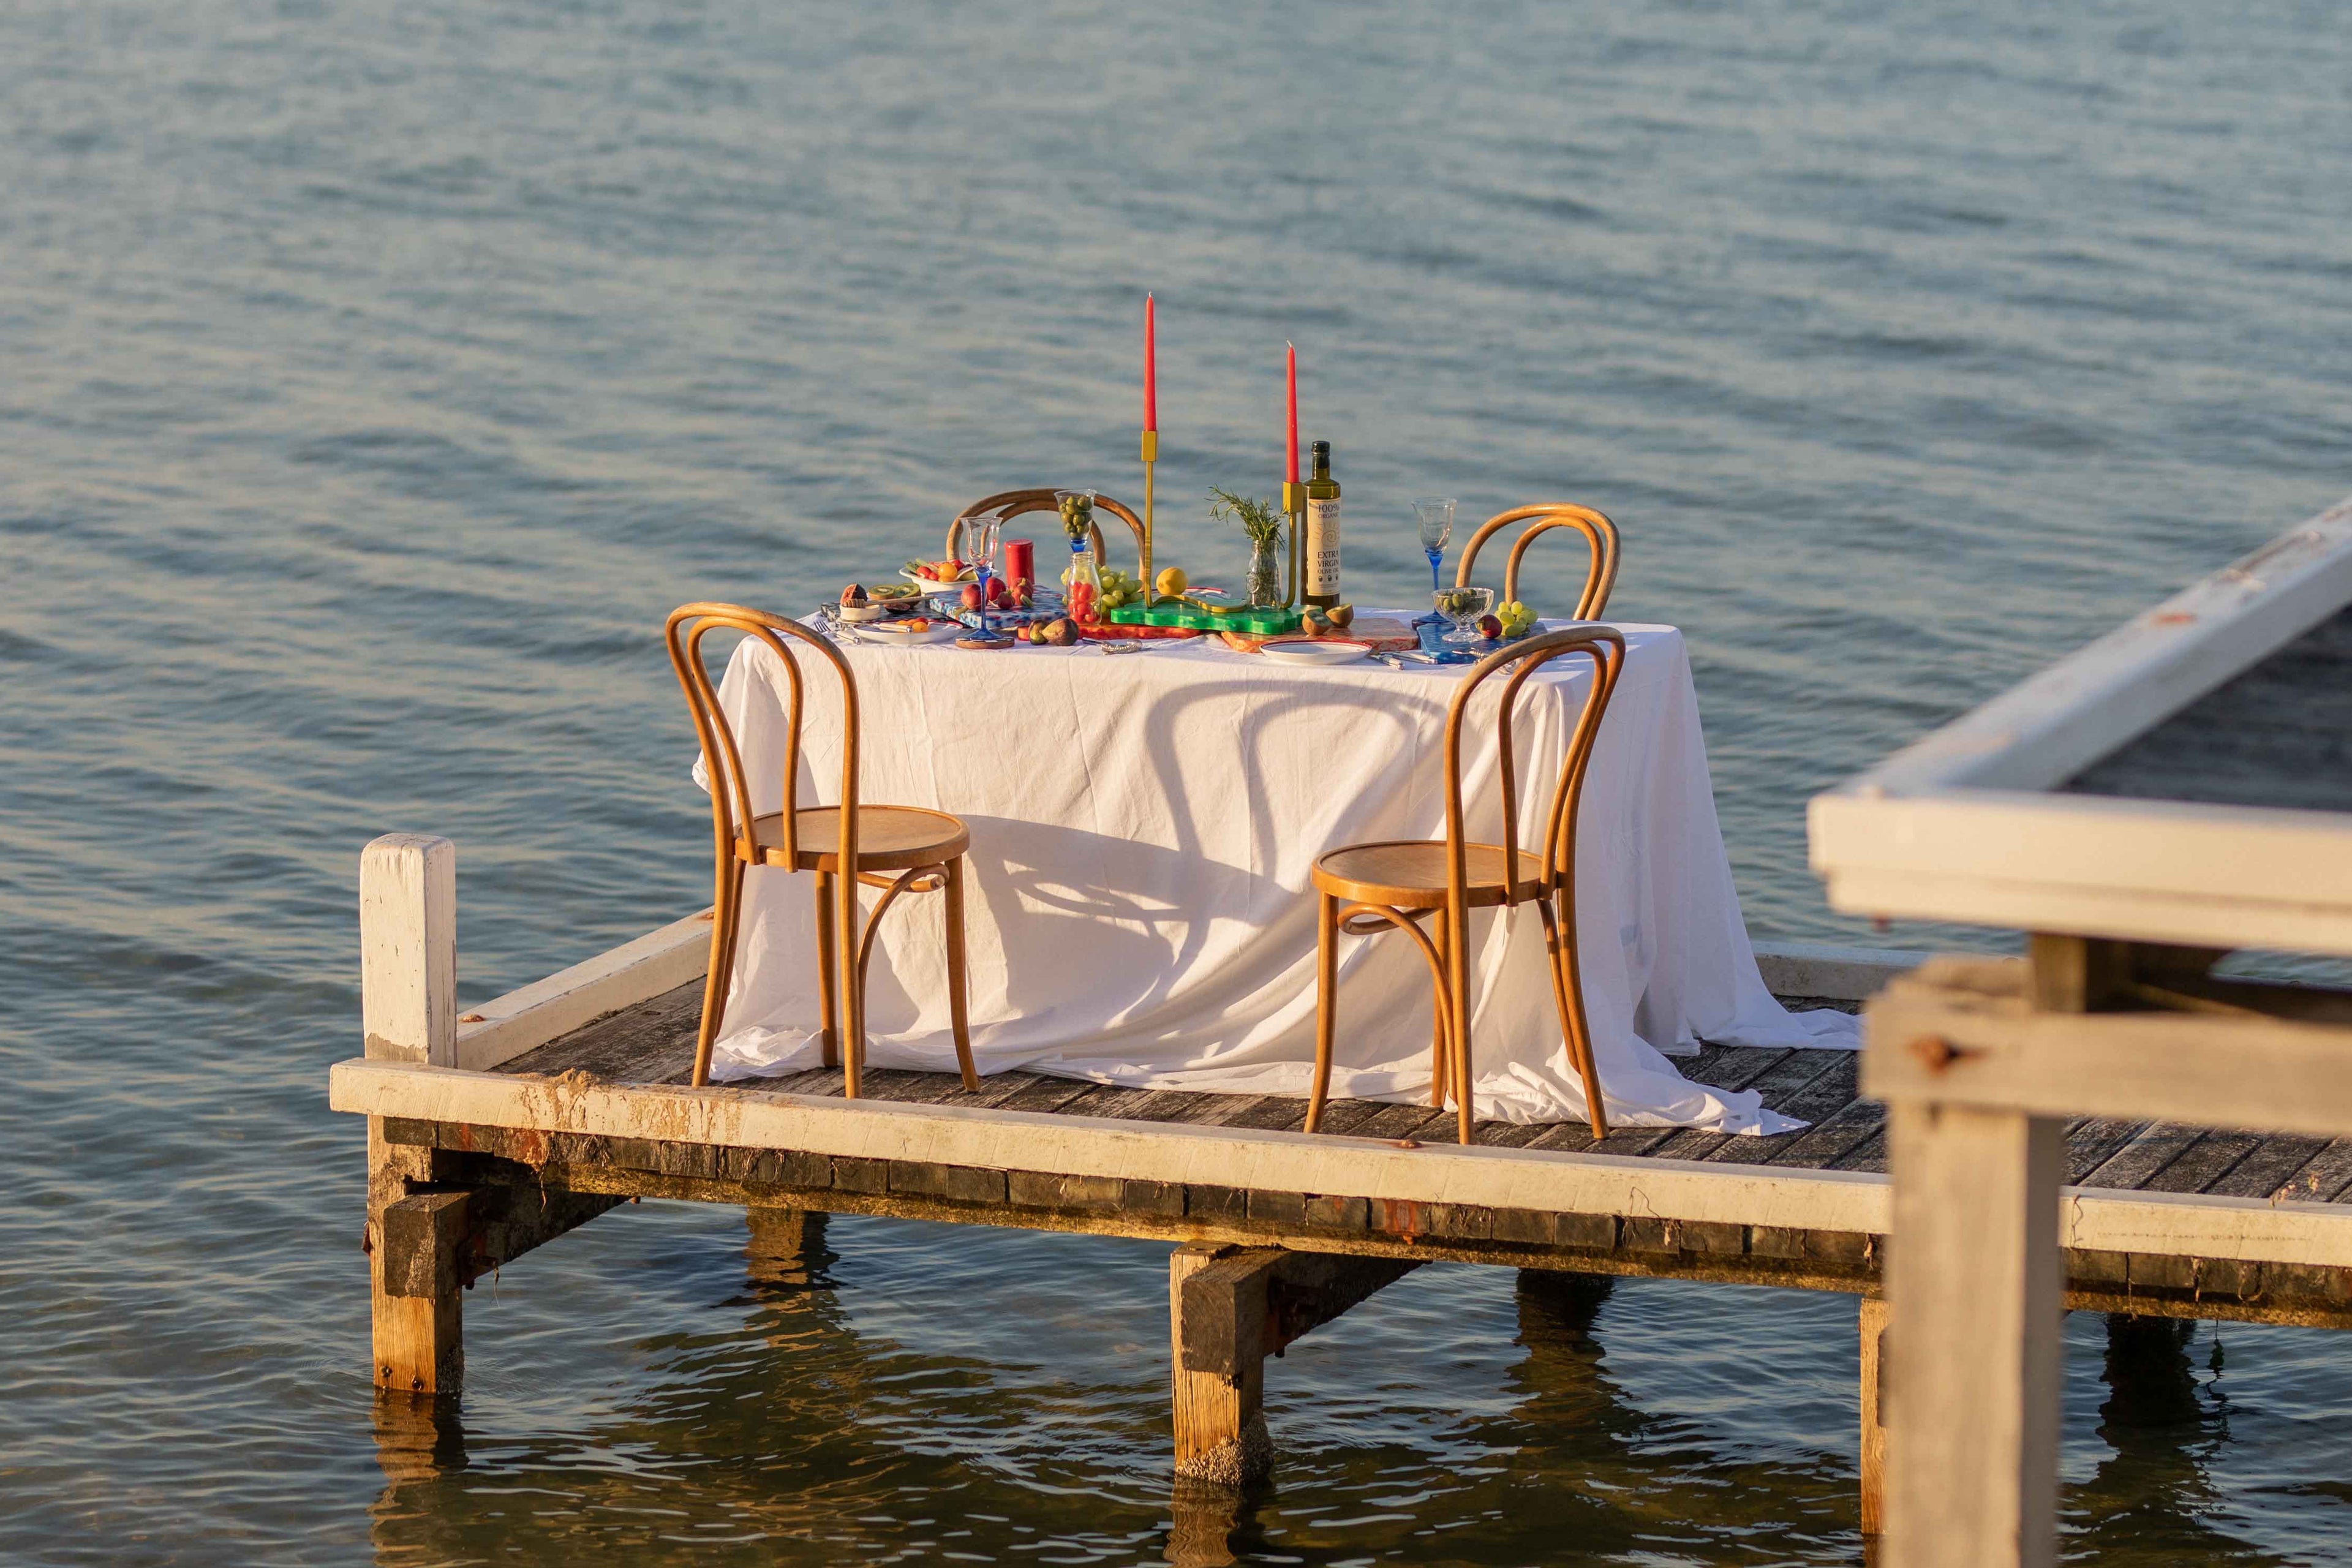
(1118, 587)
(1517, 618)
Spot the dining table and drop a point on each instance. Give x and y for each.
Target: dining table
(1138, 906)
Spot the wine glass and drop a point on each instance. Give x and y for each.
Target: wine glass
(1464, 607)
(982, 542)
(1435, 514)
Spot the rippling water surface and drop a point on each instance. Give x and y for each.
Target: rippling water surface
(374, 376)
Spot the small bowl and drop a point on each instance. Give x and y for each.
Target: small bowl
(868, 612)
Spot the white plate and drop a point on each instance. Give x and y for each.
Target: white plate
(932, 586)
(887, 632)
(1317, 651)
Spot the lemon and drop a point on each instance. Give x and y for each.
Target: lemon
(1172, 581)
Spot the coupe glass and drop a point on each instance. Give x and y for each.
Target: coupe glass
(1436, 517)
(1464, 607)
(980, 542)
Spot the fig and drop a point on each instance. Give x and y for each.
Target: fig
(853, 595)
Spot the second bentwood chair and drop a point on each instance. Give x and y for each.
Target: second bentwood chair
(1364, 888)
(1599, 538)
(897, 848)
(1010, 504)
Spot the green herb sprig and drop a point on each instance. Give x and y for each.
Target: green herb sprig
(1258, 518)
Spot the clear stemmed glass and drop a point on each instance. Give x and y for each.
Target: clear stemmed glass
(1435, 514)
(1464, 607)
(981, 539)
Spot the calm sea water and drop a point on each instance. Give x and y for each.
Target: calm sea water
(374, 376)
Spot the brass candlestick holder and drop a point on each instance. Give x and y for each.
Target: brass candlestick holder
(1293, 503)
(1150, 456)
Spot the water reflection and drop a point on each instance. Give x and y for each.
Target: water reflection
(795, 1433)
(798, 1437)
(2151, 1498)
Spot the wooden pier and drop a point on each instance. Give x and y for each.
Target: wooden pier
(495, 1132)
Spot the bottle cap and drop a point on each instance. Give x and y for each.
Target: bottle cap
(1318, 448)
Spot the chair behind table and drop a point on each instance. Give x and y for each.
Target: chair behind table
(1599, 538)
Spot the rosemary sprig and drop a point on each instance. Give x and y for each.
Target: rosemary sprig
(1258, 518)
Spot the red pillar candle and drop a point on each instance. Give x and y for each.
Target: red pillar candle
(1150, 367)
(1290, 443)
(1021, 565)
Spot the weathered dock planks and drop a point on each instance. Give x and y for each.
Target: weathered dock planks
(2168, 1218)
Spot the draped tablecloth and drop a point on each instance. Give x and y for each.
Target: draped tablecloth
(1138, 907)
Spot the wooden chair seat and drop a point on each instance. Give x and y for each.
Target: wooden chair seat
(1409, 873)
(890, 839)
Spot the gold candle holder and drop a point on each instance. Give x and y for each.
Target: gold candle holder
(1293, 503)
(1150, 456)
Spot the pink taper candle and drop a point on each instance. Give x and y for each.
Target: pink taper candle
(1150, 368)
(1290, 443)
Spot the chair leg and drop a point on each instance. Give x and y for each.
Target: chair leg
(1440, 1032)
(726, 900)
(1571, 1026)
(1457, 967)
(828, 972)
(1327, 1001)
(958, 1003)
(1570, 989)
(853, 987)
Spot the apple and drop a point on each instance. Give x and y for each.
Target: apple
(1489, 628)
(971, 596)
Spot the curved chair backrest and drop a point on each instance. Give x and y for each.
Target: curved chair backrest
(1010, 504)
(731, 816)
(1606, 649)
(1600, 536)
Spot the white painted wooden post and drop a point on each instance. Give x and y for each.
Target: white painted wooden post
(1973, 1295)
(408, 948)
(408, 1010)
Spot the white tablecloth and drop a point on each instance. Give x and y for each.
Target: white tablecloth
(1139, 910)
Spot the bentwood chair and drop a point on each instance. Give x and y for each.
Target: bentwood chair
(897, 848)
(1599, 538)
(1365, 888)
(1009, 504)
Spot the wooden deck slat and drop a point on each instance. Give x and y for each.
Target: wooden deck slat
(2269, 1167)
(2091, 1140)
(1829, 1092)
(1834, 1136)
(2203, 1162)
(2146, 1152)
(2327, 1179)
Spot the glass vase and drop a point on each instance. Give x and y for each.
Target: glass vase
(1265, 575)
(1082, 586)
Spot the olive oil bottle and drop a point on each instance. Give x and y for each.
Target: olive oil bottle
(1322, 530)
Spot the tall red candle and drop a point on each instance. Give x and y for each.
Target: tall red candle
(1290, 444)
(1150, 367)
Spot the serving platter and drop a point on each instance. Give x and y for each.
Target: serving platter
(896, 632)
(1314, 652)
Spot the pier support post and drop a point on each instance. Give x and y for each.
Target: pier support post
(1874, 1420)
(1228, 1309)
(1216, 1330)
(786, 1245)
(1972, 1279)
(408, 1008)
